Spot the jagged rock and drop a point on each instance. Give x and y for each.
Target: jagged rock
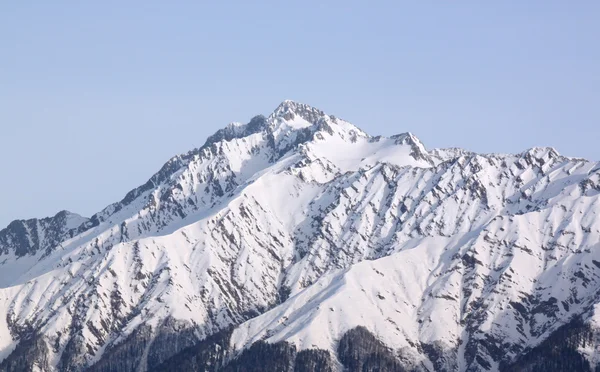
(296, 228)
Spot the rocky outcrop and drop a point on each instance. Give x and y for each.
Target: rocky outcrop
(292, 230)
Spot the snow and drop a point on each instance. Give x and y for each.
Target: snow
(348, 156)
(320, 314)
(7, 343)
(377, 232)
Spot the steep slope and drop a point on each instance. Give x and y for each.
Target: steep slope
(298, 227)
(481, 266)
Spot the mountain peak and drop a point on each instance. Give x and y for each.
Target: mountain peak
(409, 139)
(291, 105)
(289, 110)
(542, 152)
(310, 227)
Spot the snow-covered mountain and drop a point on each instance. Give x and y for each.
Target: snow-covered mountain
(299, 227)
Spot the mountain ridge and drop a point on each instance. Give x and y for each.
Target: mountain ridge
(271, 228)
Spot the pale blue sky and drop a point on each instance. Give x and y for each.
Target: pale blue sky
(96, 96)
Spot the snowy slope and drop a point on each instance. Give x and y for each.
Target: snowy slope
(300, 226)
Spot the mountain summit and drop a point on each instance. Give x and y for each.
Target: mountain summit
(300, 241)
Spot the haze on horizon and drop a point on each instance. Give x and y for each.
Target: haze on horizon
(95, 97)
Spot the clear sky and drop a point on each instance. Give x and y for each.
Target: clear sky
(96, 95)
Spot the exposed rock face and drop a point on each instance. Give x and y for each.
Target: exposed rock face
(281, 236)
(31, 236)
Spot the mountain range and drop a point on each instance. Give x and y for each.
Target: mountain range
(298, 242)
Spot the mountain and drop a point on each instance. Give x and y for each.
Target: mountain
(299, 242)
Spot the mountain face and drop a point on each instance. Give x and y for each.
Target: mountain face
(299, 242)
